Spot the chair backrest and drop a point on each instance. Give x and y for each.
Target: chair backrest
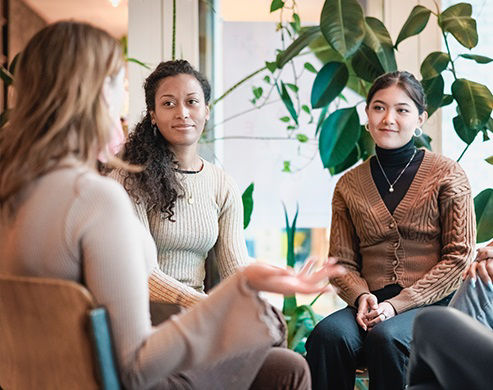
(47, 338)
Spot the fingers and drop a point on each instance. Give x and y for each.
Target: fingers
(483, 273)
(308, 266)
(361, 321)
(372, 301)
(471, 271)
(485, 253)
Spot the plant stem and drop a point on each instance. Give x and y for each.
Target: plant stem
(245, 112)
(318, 296)
(237, 85)
(464, 151)
(250, 138)
(449, 54)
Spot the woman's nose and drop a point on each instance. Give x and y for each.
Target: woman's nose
(182, 111)
(389, 118)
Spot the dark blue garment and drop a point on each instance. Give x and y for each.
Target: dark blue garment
(338, 345)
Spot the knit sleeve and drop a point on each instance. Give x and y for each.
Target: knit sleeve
(458, 234)
(344, 245)
(162, 287)
(230, 249)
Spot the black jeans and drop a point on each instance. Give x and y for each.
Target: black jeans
(338, 345)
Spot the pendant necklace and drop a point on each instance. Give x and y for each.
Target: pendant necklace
(189, 196)
(391, 185)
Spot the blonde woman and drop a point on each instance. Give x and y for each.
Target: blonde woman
(60, 219)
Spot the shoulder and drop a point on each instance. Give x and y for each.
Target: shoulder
(448, 174)
(100, 192)
(353, 175)
(224, 180)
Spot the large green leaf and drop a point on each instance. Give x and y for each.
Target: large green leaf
(340, 132)
(366, 64)
(457, 20)
(366, 144)
(323, 51)
(475, 57)
(308, 35)
(415, 23)
(343, 25)
(286, 99)
(378, 39)
(321, 119)
(247, 199)
(434, 93)
(464, 132)
(424, 140)
(475, 102)
(350, 160)
(483, 206)
(328, 84)
(489, 160)
(434, 64)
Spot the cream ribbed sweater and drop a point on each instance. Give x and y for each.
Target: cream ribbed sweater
(76, 225)
(423, 246)
(209, 218)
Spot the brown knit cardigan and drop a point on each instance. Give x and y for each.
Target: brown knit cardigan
(423, 246)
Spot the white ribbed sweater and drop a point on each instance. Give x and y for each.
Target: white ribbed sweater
(212, 221)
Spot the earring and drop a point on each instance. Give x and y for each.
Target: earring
(155, 130)
(367, 128)
(418, 132)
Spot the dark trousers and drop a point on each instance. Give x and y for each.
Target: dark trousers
(338, 345)
(451, 351)
(281, 369)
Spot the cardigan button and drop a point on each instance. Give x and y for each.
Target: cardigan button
(393, 278)
(394, 262)
(391, 225)
(396, 244)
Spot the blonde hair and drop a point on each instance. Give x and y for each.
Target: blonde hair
(60, 109)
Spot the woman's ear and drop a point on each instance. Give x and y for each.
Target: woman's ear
(207, 112)
(153, 119)
(422, 118)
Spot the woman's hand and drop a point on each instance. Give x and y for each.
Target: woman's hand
(263, 277)
(383, 312)
(366, 303)
(482, 266)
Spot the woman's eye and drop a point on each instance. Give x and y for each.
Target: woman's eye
(193, 101)
(377, 108)
(168, 104)
(403, 110)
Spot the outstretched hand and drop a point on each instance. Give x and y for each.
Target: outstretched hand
(310, 279)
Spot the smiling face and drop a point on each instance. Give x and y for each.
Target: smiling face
(180, 110)
(392, 117)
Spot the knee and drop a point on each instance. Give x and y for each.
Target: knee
(284, 369)
(325, 333)
(380, 338)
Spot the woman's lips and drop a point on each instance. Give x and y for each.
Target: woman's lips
(183, 127)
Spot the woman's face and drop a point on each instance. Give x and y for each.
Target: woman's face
(393, 117)
(180, 110)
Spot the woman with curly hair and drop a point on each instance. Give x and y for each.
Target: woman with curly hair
(191, 207)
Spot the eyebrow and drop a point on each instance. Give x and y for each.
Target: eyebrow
(172, 96)
(398, 104)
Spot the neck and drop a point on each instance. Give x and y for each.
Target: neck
(395, 157)
(187, 157)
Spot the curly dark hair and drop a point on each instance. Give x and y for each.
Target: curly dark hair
(157, 184)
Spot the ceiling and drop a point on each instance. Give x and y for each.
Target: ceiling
(97, 12)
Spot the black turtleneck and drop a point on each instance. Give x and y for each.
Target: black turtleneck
(393, 162)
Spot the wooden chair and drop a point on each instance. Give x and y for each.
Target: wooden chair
(53, 336)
